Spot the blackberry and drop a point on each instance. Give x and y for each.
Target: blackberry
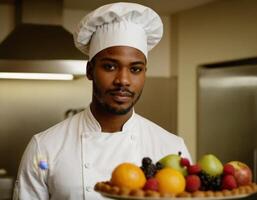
(159, 166)
(150, 171)
(149, 168)
(209, 182)
(205, 180)
(146, 161)
(216, 183)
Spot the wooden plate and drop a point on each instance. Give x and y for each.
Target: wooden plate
(175, 198)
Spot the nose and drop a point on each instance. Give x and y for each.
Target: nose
(122, 77)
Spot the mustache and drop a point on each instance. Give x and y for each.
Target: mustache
(122, 90)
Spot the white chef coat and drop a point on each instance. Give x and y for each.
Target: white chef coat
(79, 155)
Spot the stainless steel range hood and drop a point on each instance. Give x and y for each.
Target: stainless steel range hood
(41, 48)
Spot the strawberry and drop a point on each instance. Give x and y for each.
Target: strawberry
(193, 183)
(151, 184)
(194, 169)
(184, 162)
(228, 169)
(228, 182)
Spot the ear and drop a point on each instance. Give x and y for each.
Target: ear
(89, 70)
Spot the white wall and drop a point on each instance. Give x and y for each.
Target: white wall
(222, 30)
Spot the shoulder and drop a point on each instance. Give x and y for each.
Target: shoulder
(63, 126)
(154, 129)
(160, 139)
(56, 136)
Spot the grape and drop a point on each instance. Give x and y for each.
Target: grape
(149, 168)
(146, 161)
(150, 171)
(159, 166)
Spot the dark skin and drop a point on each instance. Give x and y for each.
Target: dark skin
(118, 76)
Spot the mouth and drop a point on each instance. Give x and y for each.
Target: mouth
(121, 96)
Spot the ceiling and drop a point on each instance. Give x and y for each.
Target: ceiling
(161, 6)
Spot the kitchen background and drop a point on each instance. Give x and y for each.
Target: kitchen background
(197, 33)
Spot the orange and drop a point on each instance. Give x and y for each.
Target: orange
(128, 175)
(170, 181)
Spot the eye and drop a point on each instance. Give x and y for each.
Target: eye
(109, 66)
(136, 69)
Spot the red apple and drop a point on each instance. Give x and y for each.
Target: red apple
(243, 173)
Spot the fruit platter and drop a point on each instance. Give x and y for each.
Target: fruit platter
(174, 177)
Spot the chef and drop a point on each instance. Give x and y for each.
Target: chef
(68, 159)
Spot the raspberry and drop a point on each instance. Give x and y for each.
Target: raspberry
(184, 162)
(193, 183)
(194, 169)
(228, 169)
(151, 184)
(228, 182)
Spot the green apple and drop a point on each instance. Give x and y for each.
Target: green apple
(211, 165)
(173, 161)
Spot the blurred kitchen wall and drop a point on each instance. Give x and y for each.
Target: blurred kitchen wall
(216, 32)
(28, 107)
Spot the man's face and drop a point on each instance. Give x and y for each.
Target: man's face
(118, 75)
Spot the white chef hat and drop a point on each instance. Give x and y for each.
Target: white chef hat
(118, 24)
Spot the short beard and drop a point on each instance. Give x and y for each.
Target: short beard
(109, 109)
(112, 110)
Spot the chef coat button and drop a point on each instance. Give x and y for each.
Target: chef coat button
(87, 165)
(89, 189)
(133, 137)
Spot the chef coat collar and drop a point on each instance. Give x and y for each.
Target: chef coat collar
(92, 125)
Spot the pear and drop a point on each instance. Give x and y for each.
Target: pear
(211, 165)
(173, 161)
